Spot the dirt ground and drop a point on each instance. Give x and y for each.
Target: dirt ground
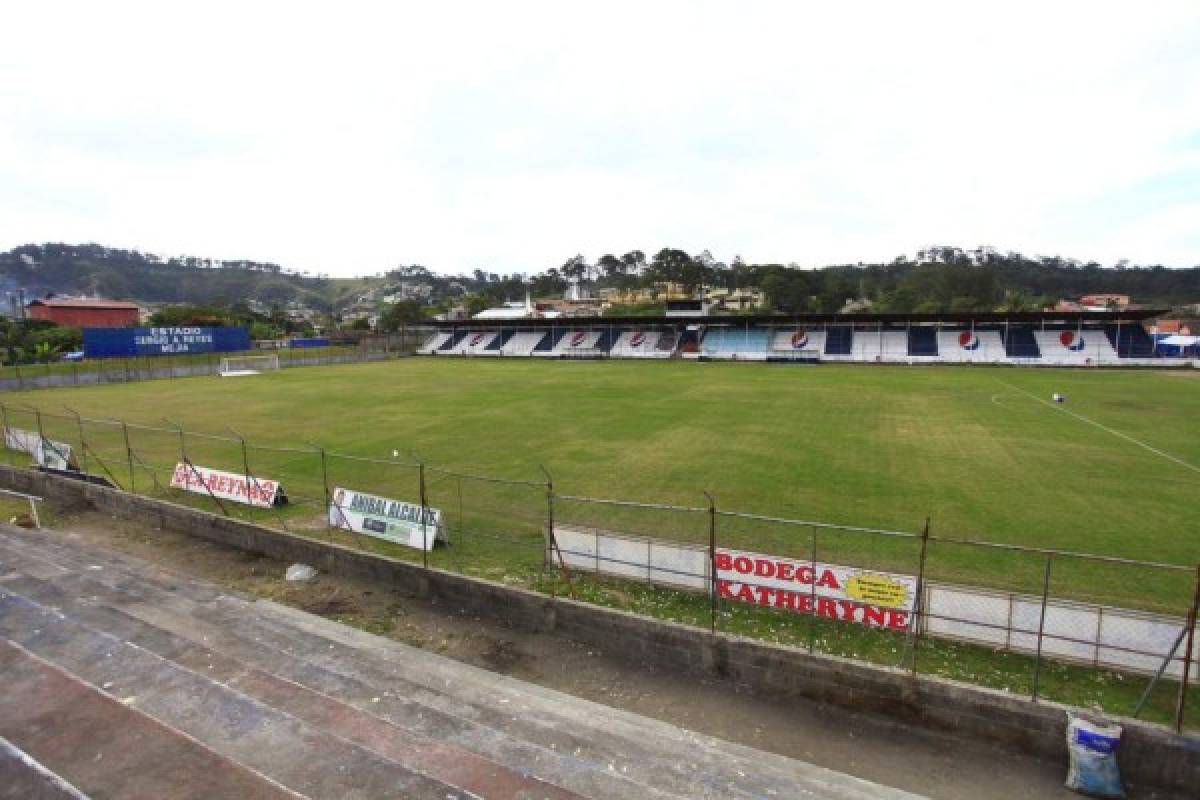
(866, 746)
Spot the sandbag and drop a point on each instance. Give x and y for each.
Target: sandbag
(1092, 748)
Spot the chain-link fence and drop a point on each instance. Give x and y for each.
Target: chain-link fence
(141, 368)
(1087, 630)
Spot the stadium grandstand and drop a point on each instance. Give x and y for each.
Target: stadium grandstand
(1051, 338)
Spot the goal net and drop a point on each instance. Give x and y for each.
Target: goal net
(233, 366)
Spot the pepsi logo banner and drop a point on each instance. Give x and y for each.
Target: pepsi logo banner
(476, 339)
(259, 492)
(848, 594)
(577, 338)
(967, 340)
(1071, 341)
(383, 518)
(637, 339)
(799, 339)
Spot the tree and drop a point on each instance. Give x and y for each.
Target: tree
(575, 268)
(547, 284)
(398, 315)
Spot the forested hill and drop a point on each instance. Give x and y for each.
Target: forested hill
(108, 272)
(937, 279)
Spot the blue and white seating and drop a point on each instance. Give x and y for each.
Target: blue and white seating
(966, 346)
(880, 346)
(798, 340)
(523, 343)
(642, 344)
(477, 343)
(435, 343)
(574, 343)
(1070, 347)
(750, 344)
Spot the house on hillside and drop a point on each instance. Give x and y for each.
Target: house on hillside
(85, 312)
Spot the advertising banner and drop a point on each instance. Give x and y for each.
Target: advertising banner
(45, 452)
(109, 342)
(848, 594)
(393, 520)
(258, 492)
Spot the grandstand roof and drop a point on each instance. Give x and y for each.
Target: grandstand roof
(989, 317)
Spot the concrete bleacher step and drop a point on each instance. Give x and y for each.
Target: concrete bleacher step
(305, 759)
(502, 712)
(103, 744)
(399, 713)
(22, 777)
(79, 598)
(538, 714)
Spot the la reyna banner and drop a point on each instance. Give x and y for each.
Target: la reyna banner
(45, 452)
(848, 594)
(109, 342)
(259, 492)
(392, 520)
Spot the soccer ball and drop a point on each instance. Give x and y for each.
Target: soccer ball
(1058, 398)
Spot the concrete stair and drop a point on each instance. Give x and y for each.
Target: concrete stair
(227, 696)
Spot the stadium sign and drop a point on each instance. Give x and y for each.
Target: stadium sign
(164, 341)
(258, 492)
(847, 594)
(45, 452)
(393, 520)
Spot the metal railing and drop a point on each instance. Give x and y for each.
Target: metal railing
(1036, 620)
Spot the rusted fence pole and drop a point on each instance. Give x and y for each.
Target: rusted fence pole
(424, 511)
(1037, 664)
(128, 454)
(1181, 704)
(812, 595)
(918, 626)
(712, 562)
(552, 537)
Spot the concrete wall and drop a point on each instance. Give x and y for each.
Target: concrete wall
(1150, 754)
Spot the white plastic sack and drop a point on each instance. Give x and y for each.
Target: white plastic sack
(1092, 747)
(300, 572)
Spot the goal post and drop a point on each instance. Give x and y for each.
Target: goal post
(233, 366)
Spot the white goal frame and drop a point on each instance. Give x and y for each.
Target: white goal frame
(236, 366)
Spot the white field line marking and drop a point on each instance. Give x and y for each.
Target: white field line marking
(1102, 427)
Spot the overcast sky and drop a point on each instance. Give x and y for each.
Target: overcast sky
(350, 137)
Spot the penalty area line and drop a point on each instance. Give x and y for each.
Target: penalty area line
(1106, 429)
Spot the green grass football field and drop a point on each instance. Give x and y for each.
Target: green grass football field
(978, 450)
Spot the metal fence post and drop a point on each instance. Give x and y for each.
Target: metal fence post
(1037, 664)
(245, 463)
(1181, 704)
(712, 562)
(553, 537)
(917, 628)
(83, 465)
(424, 512)
(812, 596)
(128, 454)
(324, 480)
(4, 416)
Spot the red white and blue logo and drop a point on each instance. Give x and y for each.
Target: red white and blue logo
(1071, 341)
(967, 340)
(799, 339)
(577, 338)
(637, 339)
(476, 339)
